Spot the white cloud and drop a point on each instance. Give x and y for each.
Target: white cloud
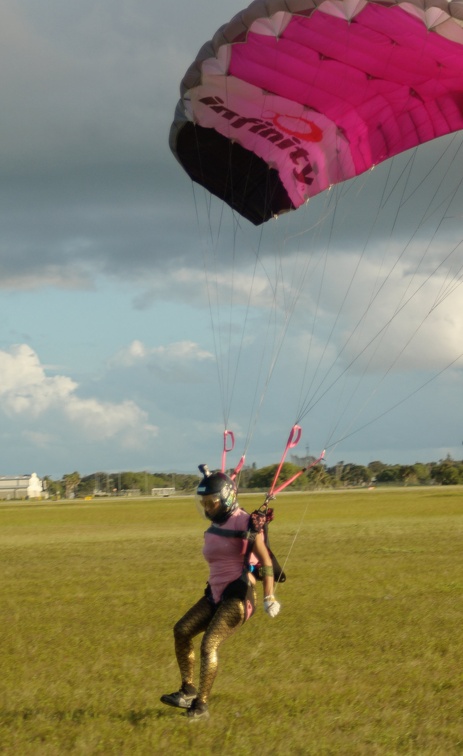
(61, 277)
(379, 310)
(178, 353)
(103, 420)
(24, 386)
(27, 390)
(408, 325)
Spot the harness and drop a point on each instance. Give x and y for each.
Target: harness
(258, 523)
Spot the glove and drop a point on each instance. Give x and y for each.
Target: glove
(271, 606)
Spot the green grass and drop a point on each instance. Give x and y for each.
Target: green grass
(366, 656)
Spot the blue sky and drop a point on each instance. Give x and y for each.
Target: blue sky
(110, 354)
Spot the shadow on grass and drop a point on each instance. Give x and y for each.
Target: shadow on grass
(135, 717)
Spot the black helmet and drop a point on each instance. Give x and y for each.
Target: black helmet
(223, 487)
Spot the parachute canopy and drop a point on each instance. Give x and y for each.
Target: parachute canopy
(293, 96)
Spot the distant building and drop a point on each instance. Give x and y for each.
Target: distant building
(162, 491)
(22, 487)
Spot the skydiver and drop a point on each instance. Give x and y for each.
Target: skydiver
(230, 597)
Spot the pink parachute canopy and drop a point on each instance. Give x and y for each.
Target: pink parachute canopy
(293, 96)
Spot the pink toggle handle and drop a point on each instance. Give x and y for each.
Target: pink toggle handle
(228, 436)
(294, 437)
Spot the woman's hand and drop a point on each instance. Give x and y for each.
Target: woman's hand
(271, 606)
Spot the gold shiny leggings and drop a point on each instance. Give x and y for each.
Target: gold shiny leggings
(217, 624)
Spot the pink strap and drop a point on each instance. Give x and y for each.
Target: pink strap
(227, 435)
(238, 467)
(228, 446)
(293, 440)
(291, 480)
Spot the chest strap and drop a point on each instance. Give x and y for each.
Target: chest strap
(228, 533)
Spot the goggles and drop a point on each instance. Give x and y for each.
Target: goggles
(210, 500)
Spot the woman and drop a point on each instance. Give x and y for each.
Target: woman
(233, 546)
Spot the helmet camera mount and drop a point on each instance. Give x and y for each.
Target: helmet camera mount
(205, 471)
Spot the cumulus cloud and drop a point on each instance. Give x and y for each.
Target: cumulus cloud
(229, 287)
(103, 420)
(27, 390)
(59, 276)
(178, 354)
(24, 385)
(403, 321)
(379, 309)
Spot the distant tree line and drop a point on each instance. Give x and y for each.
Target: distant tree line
(101, 484)
(349, 475)
(446, 472)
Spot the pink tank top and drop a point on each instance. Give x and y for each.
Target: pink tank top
(225, 555)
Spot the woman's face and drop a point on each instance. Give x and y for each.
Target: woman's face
(211, 504)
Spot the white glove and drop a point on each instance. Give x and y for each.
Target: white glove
(271, 606)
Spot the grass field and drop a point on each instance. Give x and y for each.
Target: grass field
(366, 656)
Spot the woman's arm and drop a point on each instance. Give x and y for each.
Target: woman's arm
(271, 605)
(262, 553)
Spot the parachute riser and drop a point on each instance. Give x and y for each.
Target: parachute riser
(228, 446)
(293, 440)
